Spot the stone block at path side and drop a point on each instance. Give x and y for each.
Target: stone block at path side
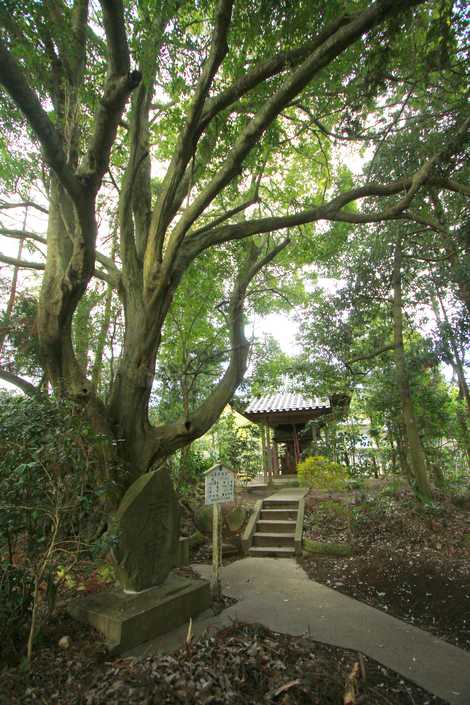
(147, 532)
(127, 620)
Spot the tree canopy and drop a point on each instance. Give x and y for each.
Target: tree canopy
(192, 156)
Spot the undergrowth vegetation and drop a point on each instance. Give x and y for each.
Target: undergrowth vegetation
(49, 509)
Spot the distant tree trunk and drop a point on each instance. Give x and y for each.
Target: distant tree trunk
(461, 418)
(417, 457)
(82, 331)
(105, 324)
(402, 448)
(452, 350)
(438, 475)
(454, 359)
(462, 282)
(393, 452)
(14, 283)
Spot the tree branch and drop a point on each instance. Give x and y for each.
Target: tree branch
(13, 79)
(228, 214)
(22, 264)
(165, 439)
(119, 84)
(110, 277)
(376, 353)
(29, 389)
(283, 61)
(114, 27)
(107, 262)
(189, 136)
(333, 211)
(23, 204)
(22, 235)
(344, 37)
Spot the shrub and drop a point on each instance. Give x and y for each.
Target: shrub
(323, 548)
(16, 599)
(48, 503)
(322, 474)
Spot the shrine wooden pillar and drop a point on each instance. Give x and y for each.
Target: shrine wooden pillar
(264, 451)
(295, 438)
(275, 453)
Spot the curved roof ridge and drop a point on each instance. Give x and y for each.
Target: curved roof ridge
(285, 402)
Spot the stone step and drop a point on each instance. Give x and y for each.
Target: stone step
(280, 504)
(264, 539)
(272, 551)
(275, 525)
(278, 514)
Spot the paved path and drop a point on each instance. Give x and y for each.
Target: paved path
(289, 494)
(278, 594)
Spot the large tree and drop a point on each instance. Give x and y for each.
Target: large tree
(209, 120)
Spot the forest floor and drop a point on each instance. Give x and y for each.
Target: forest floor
(240, 665)
(410, 561)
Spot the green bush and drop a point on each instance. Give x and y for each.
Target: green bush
(48, 505)
(322, 473)
(324, 548)
(16, 591)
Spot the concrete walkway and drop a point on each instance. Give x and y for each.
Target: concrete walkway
(289, 494)
(278, 594)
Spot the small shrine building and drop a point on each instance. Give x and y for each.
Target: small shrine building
(284, 435)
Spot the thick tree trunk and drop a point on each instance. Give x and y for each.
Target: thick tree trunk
(417, 457)
(402, 447)
(69, 267)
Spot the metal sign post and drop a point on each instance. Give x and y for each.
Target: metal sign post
(220, 487)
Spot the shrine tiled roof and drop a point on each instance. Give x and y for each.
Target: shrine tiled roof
(282, 402)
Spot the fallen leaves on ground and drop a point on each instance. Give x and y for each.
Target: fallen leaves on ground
(410, 561)
(240, 665)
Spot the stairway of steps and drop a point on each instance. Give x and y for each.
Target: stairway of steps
(275, 529)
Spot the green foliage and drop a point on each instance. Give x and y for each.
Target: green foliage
(392, 488)
(16, 588)
(21, 350)
(325, 548)
(322, 474)
(49, 500)
(238, 446)
(188, 467)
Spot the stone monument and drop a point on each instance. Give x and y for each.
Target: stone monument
(147, 532)
(149, 600)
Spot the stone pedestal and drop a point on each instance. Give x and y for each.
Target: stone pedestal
(128, 620)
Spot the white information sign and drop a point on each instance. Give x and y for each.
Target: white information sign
(220, 485)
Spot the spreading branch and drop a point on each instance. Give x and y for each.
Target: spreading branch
(370, 356)
(14, 81)
(110, 277)
(19, 382)
(23, 204)
(119, 84)
(165, 439)
(187, 141)
(284, 61)
(332, 47)
(333, 210)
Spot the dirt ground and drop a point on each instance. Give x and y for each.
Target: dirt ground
(241, 665)
(409, 561)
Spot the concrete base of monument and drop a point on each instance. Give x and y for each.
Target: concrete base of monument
(127, 620)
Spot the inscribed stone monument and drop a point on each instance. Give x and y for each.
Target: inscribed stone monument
(147, 526)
